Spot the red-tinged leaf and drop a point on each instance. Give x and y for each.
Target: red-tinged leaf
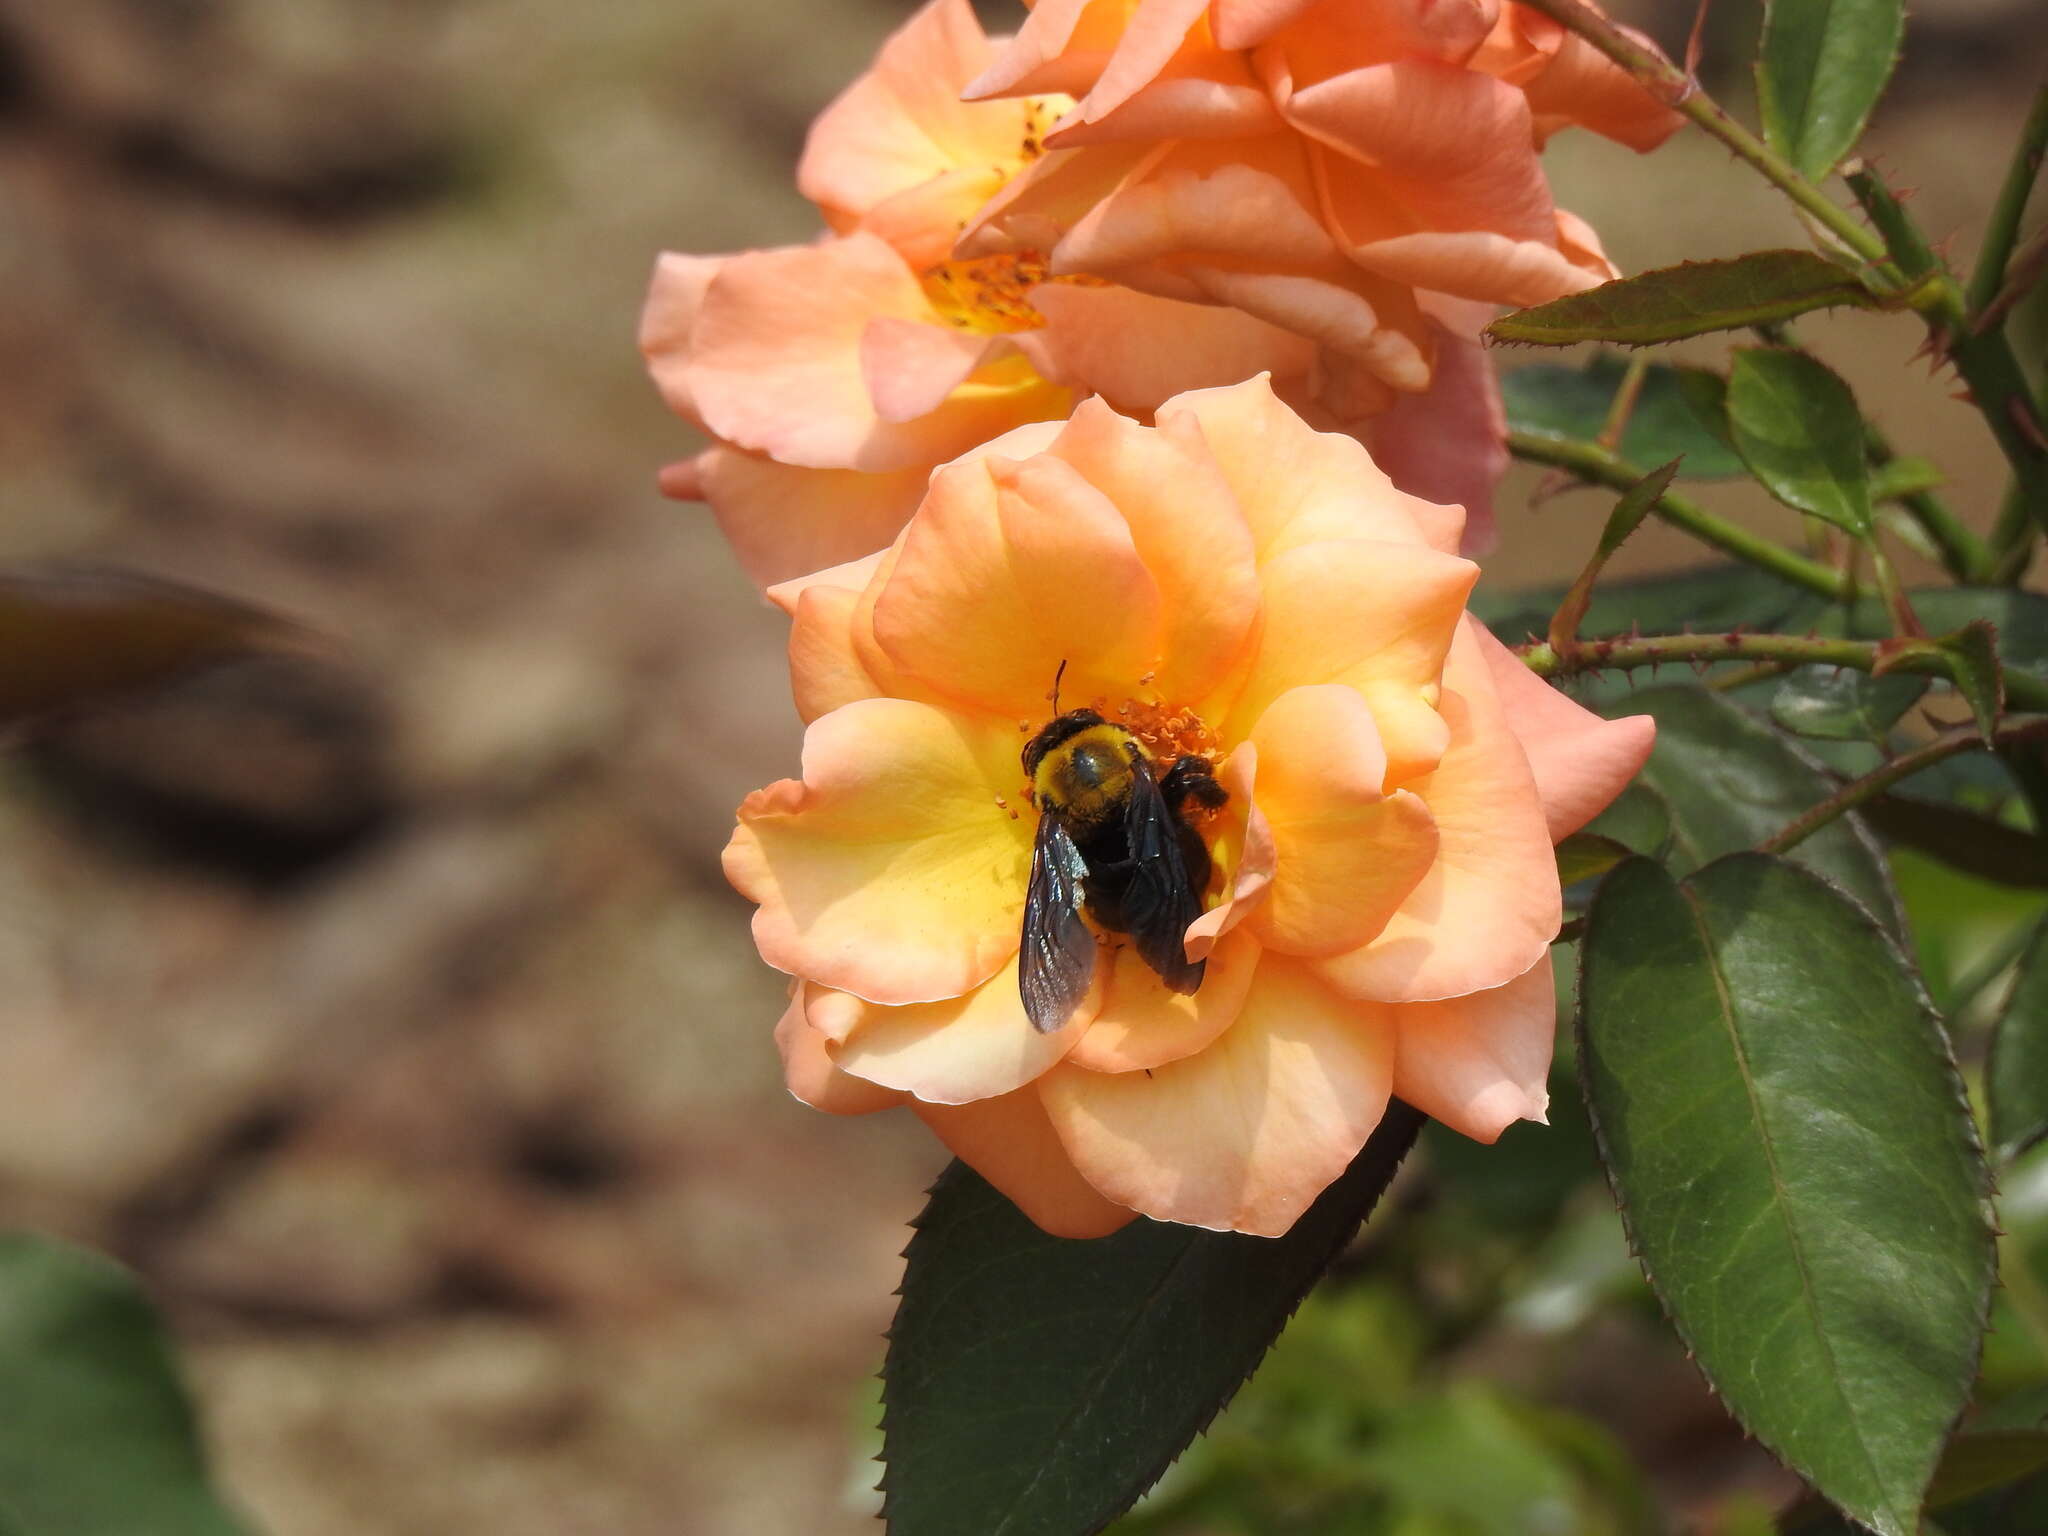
(1689, 300)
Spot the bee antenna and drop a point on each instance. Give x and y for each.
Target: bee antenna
(1056, 685)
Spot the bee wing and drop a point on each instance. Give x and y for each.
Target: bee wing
(1058, 956)
(1161, 900)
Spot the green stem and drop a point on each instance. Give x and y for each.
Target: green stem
(2021, 278)
(2012, 543)
(1671, 85)
(1597, 466)
(2002, 232)
(1742, 677)
(1963, 738)
(1986, 362)
(2022, 689)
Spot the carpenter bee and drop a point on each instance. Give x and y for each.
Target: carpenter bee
(1112, 840)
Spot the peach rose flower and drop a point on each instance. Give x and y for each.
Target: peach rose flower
(1333, 166)
(835, 376)
(1227, 583)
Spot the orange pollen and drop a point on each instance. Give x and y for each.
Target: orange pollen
(987, 294)
(1167, 732)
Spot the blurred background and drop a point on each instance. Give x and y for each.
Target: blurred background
(386, 1009)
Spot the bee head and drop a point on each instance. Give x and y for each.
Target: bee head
(1054, 733)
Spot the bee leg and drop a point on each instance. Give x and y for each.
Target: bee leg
(1191, 778)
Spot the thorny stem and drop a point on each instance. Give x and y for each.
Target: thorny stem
(2020, 280)
(1678, 90)
(1623, 405)
(2002, 232)
(1986, 362)
(1963, 738)
(1623, 653)
(1597, 466)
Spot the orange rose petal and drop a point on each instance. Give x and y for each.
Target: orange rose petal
(1331, 39)
(1454, 144)
(912, 366)
(1010, 1142)
(1142, 1025)
(1580, 761)
(1241, 846)
(923, 222)
(1296, 486)
(1581, 85)
(1480, 1062)
(1247, 23)
(1009, 569)
(673, 299)
(824, 669)
(785, 522)
(1136, 350)
(1193, 201)
(1346, 855)
(1490, 905)
(1448, 446)
(1580, 243)
(1379, 617)
(1478, 264)
(807, 1069)
(961, 1048)
(902, 124)
(1244, 1135)
(785, 325)
(1055, 192)
(1155, 36)
(1195, 106)
(1062, 46)
(1378, 329)
(684, 480)
(776, 362)
(1189, 532)
(890, 871)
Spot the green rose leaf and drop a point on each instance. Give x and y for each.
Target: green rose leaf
(1638, 818)
(1587, 856)
(75, 637)
(1975, 1463)
(1797, 427)
(98, 1437)
(2016, 1078)
(1838, 704)
(1787, 1137)
(1821, 69)
(1036, 1386)
(1678, 412)
(1691, 299)
(1731, 781)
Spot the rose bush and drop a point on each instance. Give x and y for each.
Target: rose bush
(835, 376)
(1227, 582)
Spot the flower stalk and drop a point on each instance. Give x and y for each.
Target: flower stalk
(2002, 232)
(1626, 653)
(1596, 465)
(1952, 743)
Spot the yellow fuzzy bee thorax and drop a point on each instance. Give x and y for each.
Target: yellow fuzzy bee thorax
(1088, 777)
